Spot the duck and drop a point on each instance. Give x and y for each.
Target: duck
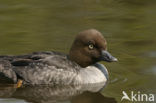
(80, 66)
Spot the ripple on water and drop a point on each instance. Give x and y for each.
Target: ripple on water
(152, 54)
(151, 70)
(115, 80)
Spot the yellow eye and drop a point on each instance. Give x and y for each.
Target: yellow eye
(91, 46)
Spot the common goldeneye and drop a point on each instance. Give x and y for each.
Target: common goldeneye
(80, 66)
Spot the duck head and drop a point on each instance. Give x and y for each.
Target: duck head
(90, 47)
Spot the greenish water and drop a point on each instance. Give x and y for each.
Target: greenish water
(128, 25)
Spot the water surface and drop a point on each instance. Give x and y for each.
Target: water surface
(47, 25)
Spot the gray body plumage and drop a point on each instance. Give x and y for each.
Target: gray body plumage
(49, 68)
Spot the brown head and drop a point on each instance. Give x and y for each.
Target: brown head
(90, 47)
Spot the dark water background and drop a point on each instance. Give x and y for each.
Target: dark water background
(46, 25)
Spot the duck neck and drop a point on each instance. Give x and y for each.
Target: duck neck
(79, 58)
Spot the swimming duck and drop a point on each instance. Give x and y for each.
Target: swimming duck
(80, 66)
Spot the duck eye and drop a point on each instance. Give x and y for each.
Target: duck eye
(91, 46)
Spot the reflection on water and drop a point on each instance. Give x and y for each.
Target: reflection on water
(57, 94)
(88, 97)
(12, 100)
(128, 25)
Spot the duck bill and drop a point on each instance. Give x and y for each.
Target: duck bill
(106, 56)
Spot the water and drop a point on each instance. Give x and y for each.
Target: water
(128, 26)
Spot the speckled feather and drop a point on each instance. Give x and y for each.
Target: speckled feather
(41, 68)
